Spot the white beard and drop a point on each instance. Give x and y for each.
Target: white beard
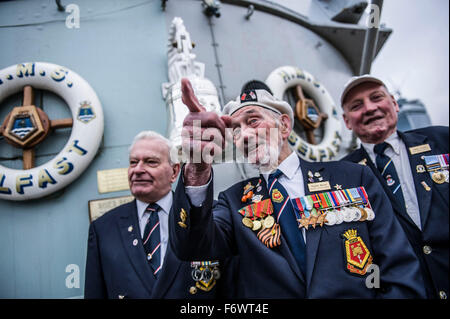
(267, 156)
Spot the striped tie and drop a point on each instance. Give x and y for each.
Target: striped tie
(285, 216)
(387, 169)
(152, 239)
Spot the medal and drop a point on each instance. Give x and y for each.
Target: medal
(269, 221)
(363, 214)
(339, 217)
(348, 214)
(331, 218)
(304, 222)
(445, 172)
(322, 219)
(257, 225)
(370, 214)
(357, 214)
(205, 274)
(247, 222)
(248, 193)
(438, 177)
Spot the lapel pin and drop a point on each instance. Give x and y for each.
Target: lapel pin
(427, 188)
(135, 242)
(130, 229)
(420, 169)
(363, 161)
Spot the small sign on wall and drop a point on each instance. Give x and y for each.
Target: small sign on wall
(112, 180)
(98, 207)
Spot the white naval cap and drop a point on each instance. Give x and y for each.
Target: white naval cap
(357, 80)
(259, 97)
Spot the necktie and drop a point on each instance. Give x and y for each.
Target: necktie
(286, 218)
(152, 239)
(387, 169)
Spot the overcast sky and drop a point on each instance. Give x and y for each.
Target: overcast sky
(415, 58)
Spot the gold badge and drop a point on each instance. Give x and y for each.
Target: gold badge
(277, 197)
(419, 149)
(425, 185)
(363, 161)
(438, 177)
(247, 222)
(183, 216)
(357, 255)
(420, 169)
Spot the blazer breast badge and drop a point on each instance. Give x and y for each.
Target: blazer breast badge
(357, 255)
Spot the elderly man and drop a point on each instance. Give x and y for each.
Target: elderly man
(412, 168)
(295, 236)
(128, 253)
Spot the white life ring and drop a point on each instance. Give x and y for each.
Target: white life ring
(83, 143)
(285, 77)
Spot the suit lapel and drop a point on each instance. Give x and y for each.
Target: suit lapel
(423, 196)
(169, 270)
(136, 253)
(167, 274)
(283, 249)
(312, 235)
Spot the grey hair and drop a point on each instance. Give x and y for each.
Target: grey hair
(154, 135)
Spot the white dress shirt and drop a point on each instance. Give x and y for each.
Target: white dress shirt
(166, 204)
(398, 153)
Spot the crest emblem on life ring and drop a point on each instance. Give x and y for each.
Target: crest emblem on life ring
(314, 109)
(27, 125)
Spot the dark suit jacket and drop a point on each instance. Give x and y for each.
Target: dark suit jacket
(433, 206)
(115, 267)
(273, 273)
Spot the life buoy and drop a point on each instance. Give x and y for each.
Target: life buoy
(83, 143)
(286, 77)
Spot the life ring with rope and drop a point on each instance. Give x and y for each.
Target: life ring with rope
(314, 108)
(26, 126)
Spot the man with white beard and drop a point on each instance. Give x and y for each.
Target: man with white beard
(294, 235)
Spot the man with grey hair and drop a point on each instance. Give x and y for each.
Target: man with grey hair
(411, 166)
(128, 254)
(295, 237)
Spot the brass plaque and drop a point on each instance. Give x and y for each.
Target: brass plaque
(98, 207)
(320, 186)
(112, 180)
(420, 149)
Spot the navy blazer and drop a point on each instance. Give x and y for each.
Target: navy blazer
(115, 268)
(433, 207)
(274, 273)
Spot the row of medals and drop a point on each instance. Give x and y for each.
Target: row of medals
(336, 217)
(255, 225)
(266, 221)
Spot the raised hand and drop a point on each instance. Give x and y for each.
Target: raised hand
(203, 137)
